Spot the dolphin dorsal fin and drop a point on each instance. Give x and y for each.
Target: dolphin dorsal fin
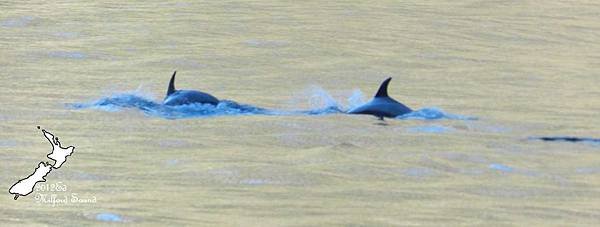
(382, 92)
(171, 88)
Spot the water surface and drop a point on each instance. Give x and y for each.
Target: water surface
(505, 71)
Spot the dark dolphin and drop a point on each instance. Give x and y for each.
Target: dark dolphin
(181, 97)
(382, 105)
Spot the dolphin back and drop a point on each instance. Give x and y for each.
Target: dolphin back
(382, 105)
(182, 97)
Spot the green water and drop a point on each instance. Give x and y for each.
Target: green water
(523, 68)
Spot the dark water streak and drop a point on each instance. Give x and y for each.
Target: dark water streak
(571, 139)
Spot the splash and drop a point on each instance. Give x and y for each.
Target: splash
(320, 98)
(320, 102)
(433, 113)
(150, 107)
(356, 99)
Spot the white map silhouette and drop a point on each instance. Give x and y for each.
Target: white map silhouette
(59, 154)
(25, 186)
